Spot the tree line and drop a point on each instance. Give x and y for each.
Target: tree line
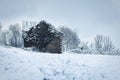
(13, 36)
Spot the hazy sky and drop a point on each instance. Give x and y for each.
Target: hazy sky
(86, 17)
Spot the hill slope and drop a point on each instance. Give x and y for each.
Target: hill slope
(17, 64)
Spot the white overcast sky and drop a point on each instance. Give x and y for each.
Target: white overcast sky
(86, 17)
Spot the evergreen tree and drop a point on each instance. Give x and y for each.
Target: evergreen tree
(40, 35)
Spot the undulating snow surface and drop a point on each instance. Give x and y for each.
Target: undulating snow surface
(18, 64)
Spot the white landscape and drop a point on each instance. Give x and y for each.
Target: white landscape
(59, 40)
(18, 64)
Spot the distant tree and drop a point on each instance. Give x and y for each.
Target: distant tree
(0, 26)
(99, 39)
(70, 39)
(107, 44)
(26, 25)
(16, 35)
(40, 36)
(0, 33)
(103, 44)
(36, 34)
(5, 37)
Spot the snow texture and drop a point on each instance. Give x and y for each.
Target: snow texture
(18, 64)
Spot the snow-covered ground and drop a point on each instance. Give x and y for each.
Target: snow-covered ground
(18, 64)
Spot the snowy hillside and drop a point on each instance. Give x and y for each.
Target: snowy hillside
(18, 64)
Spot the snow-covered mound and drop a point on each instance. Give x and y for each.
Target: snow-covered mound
(18, 64)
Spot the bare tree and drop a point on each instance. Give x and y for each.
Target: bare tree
(26, 25)
(103, 44)
(16, 35)
(108, 45)
(0, 33)
(70, 39)
(99, 42)
(0, 26)
(5, 37)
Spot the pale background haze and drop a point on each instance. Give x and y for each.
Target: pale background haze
(87, 17)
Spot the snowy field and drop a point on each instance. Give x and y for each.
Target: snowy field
(18, 64)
